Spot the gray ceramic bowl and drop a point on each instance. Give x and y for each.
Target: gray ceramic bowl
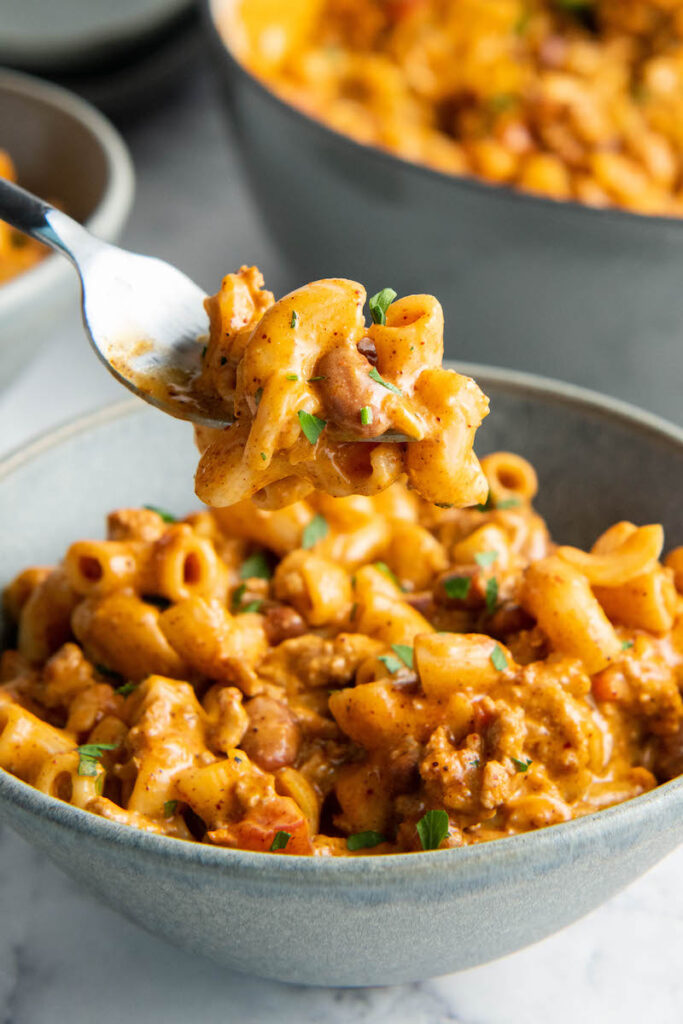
(374, 920)
(591, 296)
(66, 151)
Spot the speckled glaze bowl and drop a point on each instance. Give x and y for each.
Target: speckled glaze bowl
(591, 296)
(68, 153)
(369, 920)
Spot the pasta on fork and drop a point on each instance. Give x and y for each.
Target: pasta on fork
(313, 390)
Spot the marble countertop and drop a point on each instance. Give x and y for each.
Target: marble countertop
(65, 958)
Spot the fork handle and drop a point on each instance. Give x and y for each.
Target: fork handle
(36, 218)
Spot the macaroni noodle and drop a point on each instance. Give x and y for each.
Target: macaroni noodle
(313, 390)
(346, 675)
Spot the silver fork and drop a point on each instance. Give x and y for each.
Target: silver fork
(144, 318)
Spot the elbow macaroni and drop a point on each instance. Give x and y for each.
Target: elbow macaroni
(313, 389)
(234, 680)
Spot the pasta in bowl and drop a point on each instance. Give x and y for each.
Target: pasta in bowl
(325, 919)
(347, 675)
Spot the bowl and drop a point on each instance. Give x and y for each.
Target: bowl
(371, 920)
(591, 296)
(66, 152)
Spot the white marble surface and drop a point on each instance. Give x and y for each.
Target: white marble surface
(63, 957)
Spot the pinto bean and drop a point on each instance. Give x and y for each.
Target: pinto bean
(283, 623)
(273, 736)
(347, 388)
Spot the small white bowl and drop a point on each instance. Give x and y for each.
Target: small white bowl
(67, 152)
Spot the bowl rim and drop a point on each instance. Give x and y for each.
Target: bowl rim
(530, 852)
(466, 182)
(114, 204)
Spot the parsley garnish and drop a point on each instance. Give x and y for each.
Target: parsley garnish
(204, 351)
(485, 558)
(311, 425)
(314, 531)
(292, 376)
(256, 566)
(295, 319)
(405, 653)
(491, 594)
(383, 567)
(311, 379)
(127, 688)
(521, 766)
(626, 645)
(237, 596)
(457, 587)
(258, 395)
(166, 516)
(252, 606)
(375, 375)
(364, 840)
(280, 841)
(169, 808)
(264, 456)
(89, 754)
(108, 672)
(432, 829)
(366, 415)
(391, 664)
(498, 659)
(379, 304)
(508, 503)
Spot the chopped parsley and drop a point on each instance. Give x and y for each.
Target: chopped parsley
(366, 415)
(391, 664)
(491, 594)
(280, 841)
(521, 766)
(432, 829)
(236, 599)
(364, 840)
(89, 754)
(292, 376)
(627, 645)
(457, 587)
(126, 689)
(488, 504)
(375, 375)
(379, 304)
(311, 379)
(498, 659)
(170, 808)
(167, 517)
(264, 456)
(103, 670)
(258, 395)
(311, 425)
(204, 351)
(485, 558)
(295, 319)
(384, 568)
(509, 503)
(314, 531)
(404, 652)
(252, 606)
(257, 565)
